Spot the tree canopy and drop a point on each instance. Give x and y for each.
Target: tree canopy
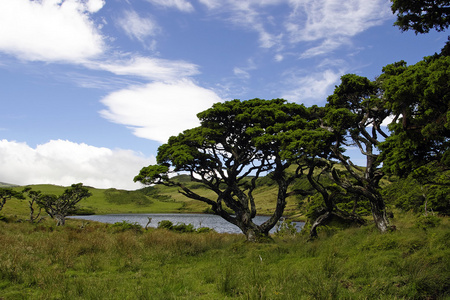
(419, 98)
(421, 15)
(236, 143)
(59, 207)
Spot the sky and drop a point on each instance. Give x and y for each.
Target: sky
(90, 88)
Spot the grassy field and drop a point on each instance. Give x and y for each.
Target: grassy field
(101, 262)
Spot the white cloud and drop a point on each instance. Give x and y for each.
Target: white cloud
(249, 15)
(94, 6)
(178, 4)
(136, 27)
(158, 110)
(313, 88)
(64, 163)
(279, 57)
(241, 73)
(147, 67)
(333, 21)
(50, 30)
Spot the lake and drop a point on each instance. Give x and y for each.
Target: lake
(198, 220)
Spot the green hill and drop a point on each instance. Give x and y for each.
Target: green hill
(152, 199)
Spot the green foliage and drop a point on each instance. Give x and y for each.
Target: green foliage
(421, 15)
(428, 221)
(126, 226)
(182, 227)
(7, 194)
(58, 207)
(166, 224)
(418, 95)
(420, 194)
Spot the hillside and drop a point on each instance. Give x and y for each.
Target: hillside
(154, 199)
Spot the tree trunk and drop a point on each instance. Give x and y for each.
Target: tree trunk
(60, 220)
(319, 221)
(253, 232)
(379, 214)
(342, 216)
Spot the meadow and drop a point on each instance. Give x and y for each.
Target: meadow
(121, 261)
(100, 261)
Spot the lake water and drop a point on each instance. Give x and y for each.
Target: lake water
(198, 220)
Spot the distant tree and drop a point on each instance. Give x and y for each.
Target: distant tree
(59, 207)
(32, 202)
(8, 194)
(421, 15)
(237, 143)
(357, 107)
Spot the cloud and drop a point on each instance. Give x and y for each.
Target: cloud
(146, 67)
(50, 30)
(158, 110)
(333, 21)
(136, 27)
(249, 15)
(313, 88)
(239, 72)
(63, 162)
(181, 5)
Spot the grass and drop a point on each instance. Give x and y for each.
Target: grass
(46, 262)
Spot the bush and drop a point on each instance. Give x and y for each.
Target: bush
(429, 221)
(181, 227)
(165, 224)
(126, 226)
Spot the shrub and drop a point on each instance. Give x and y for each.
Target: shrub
(429, 221)
(165, 224)
(126, 226)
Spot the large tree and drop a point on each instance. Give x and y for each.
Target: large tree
(357, 107)
(421, 15)
(236, 143)
(419, 98)
(59, 207)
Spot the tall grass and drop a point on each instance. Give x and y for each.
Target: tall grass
(97, 262)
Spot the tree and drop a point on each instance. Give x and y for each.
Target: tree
(58, 207)
(236, 143)
(357, 107)
(34, 199)
(419, 98)
(421, 15)
(8, 194)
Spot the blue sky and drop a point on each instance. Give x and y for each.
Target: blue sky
(90, 88)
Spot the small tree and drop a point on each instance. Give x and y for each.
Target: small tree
(34, 198)
(58, 207)
(8, 194)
